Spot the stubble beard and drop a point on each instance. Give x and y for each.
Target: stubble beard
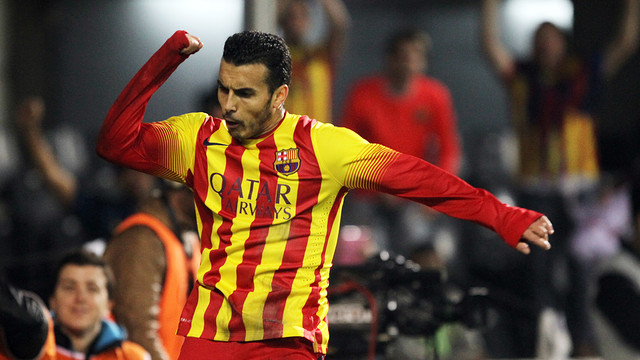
(245, 131)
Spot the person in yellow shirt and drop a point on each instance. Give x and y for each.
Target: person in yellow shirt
(314, 62)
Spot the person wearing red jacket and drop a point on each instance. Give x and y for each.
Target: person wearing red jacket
(409, 111)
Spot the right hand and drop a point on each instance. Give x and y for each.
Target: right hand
(194, 45)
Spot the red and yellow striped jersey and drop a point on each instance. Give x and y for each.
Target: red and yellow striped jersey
(269, 210)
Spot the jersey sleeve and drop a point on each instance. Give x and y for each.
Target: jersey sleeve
(167, 148)
(149, 147)
(358, 164)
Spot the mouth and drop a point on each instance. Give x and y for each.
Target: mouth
(232, 123)
(79, 312)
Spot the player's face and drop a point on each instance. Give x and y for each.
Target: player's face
(249, 108)
(80, 299)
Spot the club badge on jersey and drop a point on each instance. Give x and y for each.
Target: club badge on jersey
(287, 161)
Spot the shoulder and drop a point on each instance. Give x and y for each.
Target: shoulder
(194, 119)
(129, 243)
(304, 55)
(138, 228)
(329, 136)
(433, 84)
(368, 83)
(317, 131)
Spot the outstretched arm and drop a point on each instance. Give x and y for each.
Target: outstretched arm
(493, 48)
(625, 43)
(62, 183)
(417, 180)
(357, 164)
(414, 179)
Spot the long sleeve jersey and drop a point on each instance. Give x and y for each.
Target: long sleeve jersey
(268, 210)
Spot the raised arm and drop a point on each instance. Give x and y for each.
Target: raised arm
(493, 48)
(625, 43)
(61, 182)
(339, 22)
(120, 136)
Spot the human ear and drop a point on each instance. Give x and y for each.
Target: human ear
(279, 96)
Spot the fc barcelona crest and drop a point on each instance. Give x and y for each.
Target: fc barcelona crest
(287, 161)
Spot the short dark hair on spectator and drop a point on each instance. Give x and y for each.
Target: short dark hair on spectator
(255, 47)
(82, 257)
(408, 35)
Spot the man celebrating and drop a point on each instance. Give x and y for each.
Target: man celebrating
(268, 189)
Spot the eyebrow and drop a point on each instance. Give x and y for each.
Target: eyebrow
(246, 90)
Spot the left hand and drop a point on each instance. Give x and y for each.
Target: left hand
(537, 234)
(194, 45)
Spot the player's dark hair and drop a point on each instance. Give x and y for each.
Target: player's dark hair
(255, 47)
(82, 257)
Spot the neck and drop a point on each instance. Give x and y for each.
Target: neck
(82, 340)
(398, 84)
(156, 207)
(275, 119)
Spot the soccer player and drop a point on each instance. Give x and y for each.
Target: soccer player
(268, 189)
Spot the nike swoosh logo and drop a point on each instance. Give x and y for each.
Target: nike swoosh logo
(207, 143)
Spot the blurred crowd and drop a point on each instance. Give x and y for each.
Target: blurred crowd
(578, 300)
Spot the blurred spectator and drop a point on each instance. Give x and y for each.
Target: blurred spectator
(314, 60)
(409, 111)
(98, 211)
(155, 255)
(553, 95)
(615, 309)
(24, 324)
(403, 108)
(81, 304)
(210, 104)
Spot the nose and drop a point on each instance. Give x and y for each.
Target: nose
(228, 102)
(81, 295)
